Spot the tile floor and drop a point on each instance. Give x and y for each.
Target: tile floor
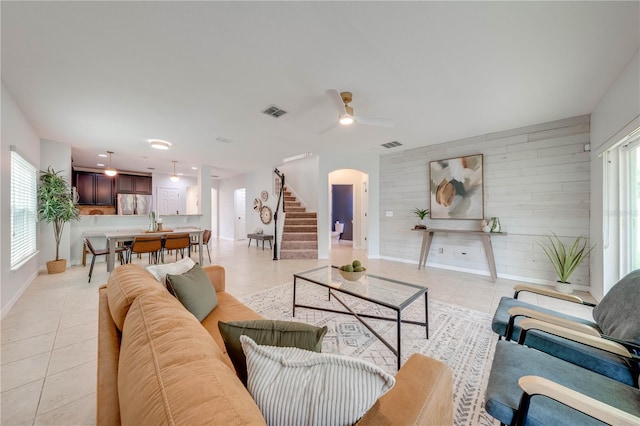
(49, 338)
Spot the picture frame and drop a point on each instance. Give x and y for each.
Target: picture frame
(456, 188)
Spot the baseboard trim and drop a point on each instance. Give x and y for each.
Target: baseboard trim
(7, 308)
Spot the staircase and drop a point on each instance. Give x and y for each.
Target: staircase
(300, 234)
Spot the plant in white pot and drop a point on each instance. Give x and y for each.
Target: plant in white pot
(565, 259)
(422, 214)
(56, 205)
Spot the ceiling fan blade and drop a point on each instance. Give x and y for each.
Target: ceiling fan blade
(337, 101)
(375, 121)
(326, 129)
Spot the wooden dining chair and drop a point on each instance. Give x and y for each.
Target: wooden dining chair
(177, 242)
(206, 236)
(101, 252)
(151, 245)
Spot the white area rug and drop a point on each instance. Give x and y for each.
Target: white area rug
(461, 338)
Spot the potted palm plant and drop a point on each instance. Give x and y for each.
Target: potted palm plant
(421, 213)
(56, 205)
(565, 259)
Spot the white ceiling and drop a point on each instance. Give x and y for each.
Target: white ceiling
(110, 75)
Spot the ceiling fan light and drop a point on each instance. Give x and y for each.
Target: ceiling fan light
(346, 119)
(159, 144)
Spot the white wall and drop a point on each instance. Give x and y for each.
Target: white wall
(302, 177)
(56, 155)
(619, 107)
(16, 130)
(536, 180)
(226, 210)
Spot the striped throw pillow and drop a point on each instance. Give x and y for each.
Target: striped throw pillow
(294, 386)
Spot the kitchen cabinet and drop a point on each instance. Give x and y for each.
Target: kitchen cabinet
(94, 189)
(132, 184)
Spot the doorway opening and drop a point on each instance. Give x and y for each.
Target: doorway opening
(348, 206)
(240, 224)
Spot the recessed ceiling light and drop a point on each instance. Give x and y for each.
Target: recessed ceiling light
(159, 144)
(102, 155)
(100, 165)
(223, 140)
(194, 168)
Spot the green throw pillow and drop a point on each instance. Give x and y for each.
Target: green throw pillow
(194, 290)
(269, 333)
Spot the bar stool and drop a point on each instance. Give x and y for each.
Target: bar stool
(177, 242)
(206, 236)
(151, 245)
(101, 252)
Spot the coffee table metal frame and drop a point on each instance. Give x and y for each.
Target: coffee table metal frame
(332, 288)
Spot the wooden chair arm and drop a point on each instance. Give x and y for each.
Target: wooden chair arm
(549, 293)
(567, 333)
(542, 316)
(535, 385)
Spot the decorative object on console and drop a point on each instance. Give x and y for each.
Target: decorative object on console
(457, 188)
(56, 205)
(422, 214)
(565, 259)
(495, 225)
(266, 215)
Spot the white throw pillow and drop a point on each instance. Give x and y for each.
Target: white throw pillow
(294, 386)
(177, 268)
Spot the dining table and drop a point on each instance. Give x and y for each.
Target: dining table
(116, 236)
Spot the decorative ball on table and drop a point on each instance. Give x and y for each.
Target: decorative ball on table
(352, 271)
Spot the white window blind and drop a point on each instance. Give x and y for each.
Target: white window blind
(24, 184)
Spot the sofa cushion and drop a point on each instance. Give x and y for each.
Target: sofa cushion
(125, 284)
(270, 333)
(175, 268)
(194, 290)
(171, 372)
(294, 386)
(617, 314)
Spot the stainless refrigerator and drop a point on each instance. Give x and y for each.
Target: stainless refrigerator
(134, 204)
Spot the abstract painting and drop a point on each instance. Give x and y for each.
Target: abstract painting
(456, 186)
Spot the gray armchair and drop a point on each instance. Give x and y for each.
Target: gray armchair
(616, 317)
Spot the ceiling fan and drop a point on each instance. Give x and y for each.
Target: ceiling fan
(345, 112)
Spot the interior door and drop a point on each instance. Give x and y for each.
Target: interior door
(342, 208)
(168, 201)
(240, 206)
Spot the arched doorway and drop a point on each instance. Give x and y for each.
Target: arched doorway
(348, 205)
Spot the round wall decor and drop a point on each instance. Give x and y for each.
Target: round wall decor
(266, 214)
(264, 195)
(257, 205)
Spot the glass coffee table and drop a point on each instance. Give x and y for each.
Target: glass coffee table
(386, 292)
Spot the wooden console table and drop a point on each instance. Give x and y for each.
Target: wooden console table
(427, 237)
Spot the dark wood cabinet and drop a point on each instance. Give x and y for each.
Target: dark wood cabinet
(94, 189)
(132, 184)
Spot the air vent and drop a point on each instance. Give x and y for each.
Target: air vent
(274, 111)
(391, 144)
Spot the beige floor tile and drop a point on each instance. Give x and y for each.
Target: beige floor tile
(77, 413)
(28, 347)
(74, 334)
(72, 356)
(19, 405)
(68, 386)
(27, 330)
(27, 370)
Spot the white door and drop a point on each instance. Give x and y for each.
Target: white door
(168, 201)
(240, 228)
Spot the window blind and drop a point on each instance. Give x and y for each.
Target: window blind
(24, 185)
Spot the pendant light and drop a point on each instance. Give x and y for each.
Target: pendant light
(110, 171)
(174, 177)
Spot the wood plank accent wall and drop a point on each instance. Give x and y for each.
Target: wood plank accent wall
(536, 180)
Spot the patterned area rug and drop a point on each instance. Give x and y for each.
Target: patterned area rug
(461, 338)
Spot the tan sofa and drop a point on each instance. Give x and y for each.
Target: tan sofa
(158, 365)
